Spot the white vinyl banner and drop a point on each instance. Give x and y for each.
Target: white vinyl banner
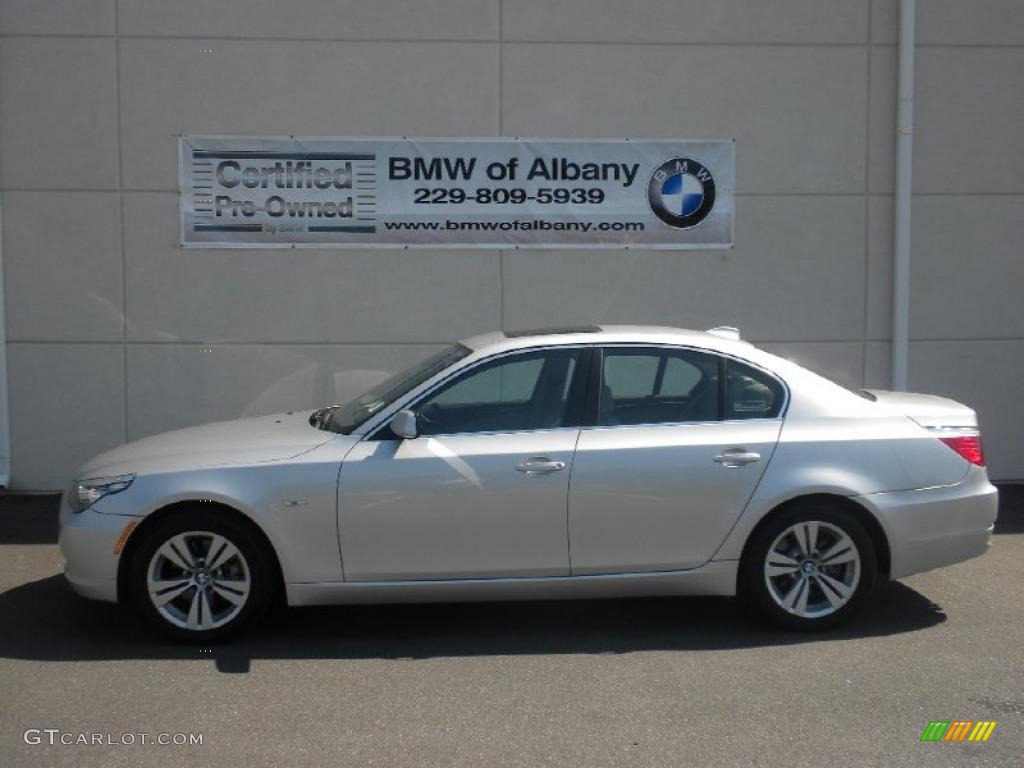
(292, 192)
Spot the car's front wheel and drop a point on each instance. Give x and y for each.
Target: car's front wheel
(809, 567)
(199, 577)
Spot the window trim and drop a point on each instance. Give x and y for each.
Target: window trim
(577, 392)
(723, 386)
(596, 379)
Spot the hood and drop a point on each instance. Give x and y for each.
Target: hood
(927, 410)
(243, 441)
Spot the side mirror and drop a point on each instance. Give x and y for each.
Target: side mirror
(403, 424)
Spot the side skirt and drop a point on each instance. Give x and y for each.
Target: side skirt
(714, 578)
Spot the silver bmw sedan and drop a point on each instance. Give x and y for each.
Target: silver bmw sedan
(562, 463)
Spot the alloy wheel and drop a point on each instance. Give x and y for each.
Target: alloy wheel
(198, 580)
(812, 569)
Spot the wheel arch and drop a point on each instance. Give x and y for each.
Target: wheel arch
(863, 515)
(138, 535)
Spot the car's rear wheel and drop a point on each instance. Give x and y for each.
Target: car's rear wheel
(200, 577)
(810, 567)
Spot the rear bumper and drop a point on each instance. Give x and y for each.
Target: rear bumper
(933, 527)
(87, 541)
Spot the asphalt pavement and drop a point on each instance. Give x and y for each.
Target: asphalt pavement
(651, 682)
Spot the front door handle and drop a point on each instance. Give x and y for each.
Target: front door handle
(539, 465)
(737, 457)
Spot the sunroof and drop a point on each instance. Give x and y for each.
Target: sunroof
(553, 331)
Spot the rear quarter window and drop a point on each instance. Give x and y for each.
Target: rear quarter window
(751, 394)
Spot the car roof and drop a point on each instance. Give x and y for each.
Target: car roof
(499, 341)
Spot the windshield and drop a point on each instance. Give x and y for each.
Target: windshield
(345, 418)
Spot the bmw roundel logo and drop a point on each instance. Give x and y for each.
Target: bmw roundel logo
(681, 192)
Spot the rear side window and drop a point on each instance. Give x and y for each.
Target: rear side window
(644, 385)
(630, 375)
(751, 394)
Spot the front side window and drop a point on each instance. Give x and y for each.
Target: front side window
(648, 385)
(515, 393)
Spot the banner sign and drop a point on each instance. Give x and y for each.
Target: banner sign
(292, 192)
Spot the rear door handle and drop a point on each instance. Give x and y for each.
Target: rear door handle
(737, 458)
(539, 465)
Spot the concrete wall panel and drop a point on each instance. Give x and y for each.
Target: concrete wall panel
(969, 119)
(878, 320)
(63, 282)
(57, 17)
(882, 121)
(687, 21)
(340, 19)
(66, 405)
(966, 269)
(58, 104)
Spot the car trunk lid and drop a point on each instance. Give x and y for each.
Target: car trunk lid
(927, 410)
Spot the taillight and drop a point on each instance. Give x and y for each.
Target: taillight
(968, 446)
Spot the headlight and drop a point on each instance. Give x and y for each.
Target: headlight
(87, 492)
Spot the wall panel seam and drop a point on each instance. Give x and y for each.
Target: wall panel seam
(501, 132)
(120, 200)
(515, 41)
(867, 199)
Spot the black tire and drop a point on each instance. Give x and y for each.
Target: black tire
(754, 580)
(255, 561)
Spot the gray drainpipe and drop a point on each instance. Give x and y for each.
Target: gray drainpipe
(902, 199)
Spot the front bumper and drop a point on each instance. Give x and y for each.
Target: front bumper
(87, 541)
(933, 527)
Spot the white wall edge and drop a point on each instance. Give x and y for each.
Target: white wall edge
(5, 423)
